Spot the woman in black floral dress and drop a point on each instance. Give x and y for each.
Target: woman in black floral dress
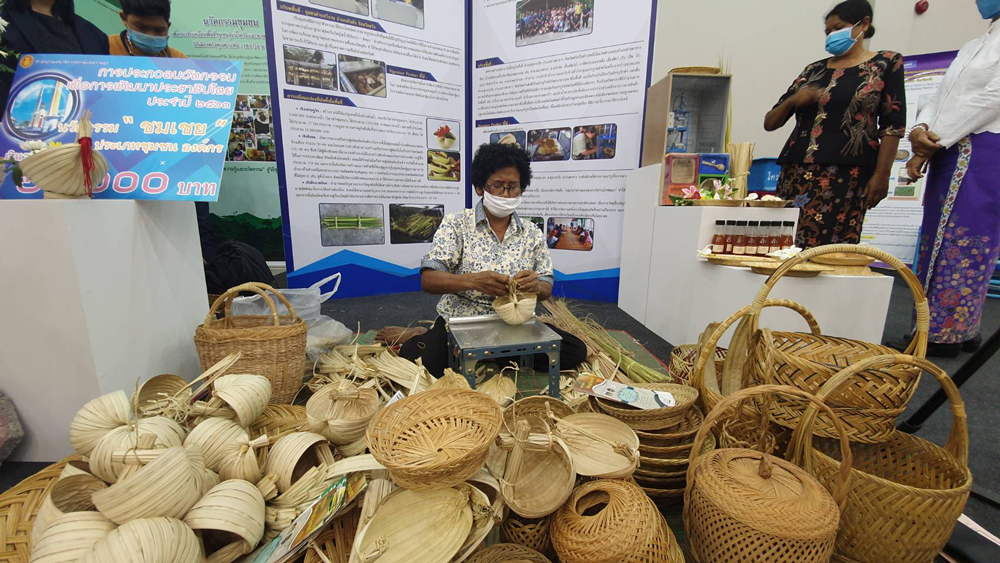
(850, 113)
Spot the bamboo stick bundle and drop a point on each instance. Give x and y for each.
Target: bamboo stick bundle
(741, 155)
(343, 223)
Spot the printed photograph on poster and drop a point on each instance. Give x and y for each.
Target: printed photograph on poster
(517, 138)
(905, 188)
(40, 106)
(351, 224)
(902, 155)
(311, 68)
(595, 142)
(353, 6)
(541, 21)
(362, 76)
(414, 224)
(566, 233)
(403, 12)
(444, 166)
(443, 134)
(545, 145)
(538, 221)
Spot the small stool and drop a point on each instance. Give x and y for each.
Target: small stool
(488, 337)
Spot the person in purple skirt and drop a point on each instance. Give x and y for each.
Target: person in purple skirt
(958, 137)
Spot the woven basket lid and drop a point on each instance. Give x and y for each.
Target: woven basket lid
(766, 495)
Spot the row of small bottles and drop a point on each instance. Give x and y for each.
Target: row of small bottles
(752, 238)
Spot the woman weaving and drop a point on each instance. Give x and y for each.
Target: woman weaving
(477, 252)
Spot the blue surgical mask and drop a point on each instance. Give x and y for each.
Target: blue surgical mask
(841, 41)
(149, 44)
(989, 9)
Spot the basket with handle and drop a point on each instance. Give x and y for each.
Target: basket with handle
(272, 346)
(746, 505)
(906, 493)
(869, 405)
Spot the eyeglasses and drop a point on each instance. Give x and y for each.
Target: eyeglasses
(505, 191)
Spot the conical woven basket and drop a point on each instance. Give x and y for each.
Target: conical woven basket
(652, 419)
(508, 553)
(60, 171)
(272, 346)
(609, 521)
(426, 526)
(148, 540)
(539, 476)
(69, 537)
(745, 505)
(71, 494)
(235, 507)
(212, 435)
(906, 493)
(165, 432)
(341, 412)
(295, 454)
(157, 391)
(167, 486)
(515, 308)
(247, 395)
(98, 417)
(600, 445)
(435, 439)
(532, 533)
(277, 421)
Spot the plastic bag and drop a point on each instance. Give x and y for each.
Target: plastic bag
(326, 334)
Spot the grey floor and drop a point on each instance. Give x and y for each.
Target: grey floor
(980, 394)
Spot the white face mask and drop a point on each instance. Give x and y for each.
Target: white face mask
(500, 206)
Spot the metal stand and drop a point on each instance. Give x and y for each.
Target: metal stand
(473, 339)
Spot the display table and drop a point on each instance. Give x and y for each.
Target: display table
(665, 286)
(97, 294)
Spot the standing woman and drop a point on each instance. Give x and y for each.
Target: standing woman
(850, 112)
(958, 134)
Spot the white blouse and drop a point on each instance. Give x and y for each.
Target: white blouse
(968, 100)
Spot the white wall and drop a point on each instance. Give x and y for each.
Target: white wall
(769, 43)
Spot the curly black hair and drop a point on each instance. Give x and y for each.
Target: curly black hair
(491, 158)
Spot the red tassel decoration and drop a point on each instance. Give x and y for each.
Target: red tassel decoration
(87, 158)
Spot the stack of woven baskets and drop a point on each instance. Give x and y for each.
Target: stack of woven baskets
(665, 439)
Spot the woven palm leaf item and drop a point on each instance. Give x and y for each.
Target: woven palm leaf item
(231, 516)
(515, 308)
(745, 505)
(906, 493)
(69, 537)
(508, 553)
(608, 521)
(148, 540)
(341, 412)
(295, 454)
(539, 474)
(435, 439)
(70, 494)
(599, 445)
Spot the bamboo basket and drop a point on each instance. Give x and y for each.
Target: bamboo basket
(435, 439)
(247, 395)
(612, 522)
(508, 553)
(870, 404)
(234, 508)
(20, 505)
(599, 445)
(70, 494)
(684, 358)
(98, 417)
(539, 474)
(295, 454)
(652, 419)
(417, 526)
(156, 539)
(679, 434)
(212, 436)
(165, 433)
(532, 533)
(515, 308)
(906, 493)
(75, 467)
(69, 537)
(668, 464)
(271, 346)
(745, 505)
(167, 486)
(341, 412)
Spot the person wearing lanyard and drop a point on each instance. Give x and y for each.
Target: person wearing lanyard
(147, 30)
(477, 252)
(958, 136)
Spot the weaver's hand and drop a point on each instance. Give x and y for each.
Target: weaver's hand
(527, 281)
(489, 283)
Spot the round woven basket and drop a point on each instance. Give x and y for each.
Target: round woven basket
(670, 464)
(435, 439)
(69, 537)
(540, 474)
(508, 553)
(745, 505)
(652, 419)
(295, 454)
(272, 346)
(417, 526)
(906, 493)
(234, 508)
(19, 506)
(341, 412)
(98, 417)
(612, 522)
(154, 540)
(675, 435)
(600, 445)
(532, 533)
(684, 358)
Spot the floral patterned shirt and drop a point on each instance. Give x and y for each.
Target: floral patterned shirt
(858, 106)
(465, 244)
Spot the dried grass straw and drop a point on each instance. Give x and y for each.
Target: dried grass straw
(741, 155)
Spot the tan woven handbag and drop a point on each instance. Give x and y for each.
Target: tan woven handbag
(869, 405)
(744, 505)
(906, 493)
(272, 346)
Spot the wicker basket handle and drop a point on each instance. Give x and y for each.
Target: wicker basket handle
(254, 287)
(722, 410)
(698, 380)
(958, 439)
(917, 348)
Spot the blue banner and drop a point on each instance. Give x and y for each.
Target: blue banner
(163, 124)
